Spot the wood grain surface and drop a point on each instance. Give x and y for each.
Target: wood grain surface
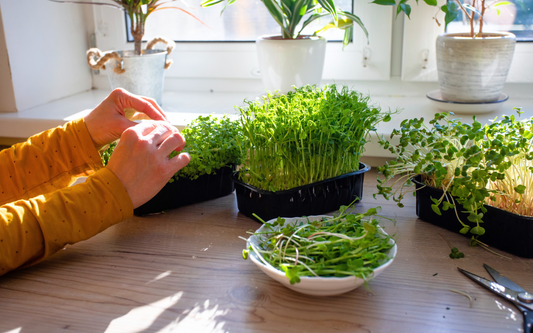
(182, 271)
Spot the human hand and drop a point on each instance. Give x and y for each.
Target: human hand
(140, 160)
(109, 119)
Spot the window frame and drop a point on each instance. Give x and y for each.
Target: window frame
(238, 60)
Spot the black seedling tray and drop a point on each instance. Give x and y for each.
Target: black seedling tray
(183, 192)
(503, 230)
(312, 199)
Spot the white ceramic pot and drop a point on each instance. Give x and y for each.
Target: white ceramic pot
(290, 62)
(474, 70)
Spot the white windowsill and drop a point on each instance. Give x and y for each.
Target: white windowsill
(182, 107)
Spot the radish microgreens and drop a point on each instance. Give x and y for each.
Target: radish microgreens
(473, 164)
(338, 246)
(308, 135)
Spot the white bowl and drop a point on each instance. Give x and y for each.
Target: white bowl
(317, 286)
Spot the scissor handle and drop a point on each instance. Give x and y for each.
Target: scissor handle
(528, 321)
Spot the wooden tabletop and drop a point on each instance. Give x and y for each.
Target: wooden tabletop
(183, 272)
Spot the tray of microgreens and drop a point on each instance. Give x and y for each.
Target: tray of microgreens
(322, 255)
(470, 177)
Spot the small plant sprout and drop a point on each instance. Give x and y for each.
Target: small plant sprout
(343, 245)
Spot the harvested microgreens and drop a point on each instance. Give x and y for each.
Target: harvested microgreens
(454, 254)
(473, 164)
(464, 294)
(337, 246)
(308, 135)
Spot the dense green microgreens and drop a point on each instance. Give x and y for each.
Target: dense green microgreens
(212, 143)
(337, 246)
(106, 153)
(469, 162)
(309, 134)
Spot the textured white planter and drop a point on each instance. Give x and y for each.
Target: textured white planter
(474, 70)
(287, 62)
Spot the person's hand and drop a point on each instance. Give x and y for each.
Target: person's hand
(140, 160)
(109, 119)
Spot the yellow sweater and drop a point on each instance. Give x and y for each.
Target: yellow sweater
(39, 212)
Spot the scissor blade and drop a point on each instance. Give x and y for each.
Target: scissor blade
(504, 281)
(492, 286)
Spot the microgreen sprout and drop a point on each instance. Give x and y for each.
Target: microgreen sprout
(343, 245)
(308, 135)
(473, 164)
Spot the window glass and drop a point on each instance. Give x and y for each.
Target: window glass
(245, 20)
(515, 16)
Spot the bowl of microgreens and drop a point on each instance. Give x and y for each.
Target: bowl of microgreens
(470, 178)
(322, 255)
(301, 151)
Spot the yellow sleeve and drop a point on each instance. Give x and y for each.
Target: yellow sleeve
(47, 161)
(33, 229)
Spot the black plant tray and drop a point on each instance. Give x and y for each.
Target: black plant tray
(313, 199)
(184, 191)
(503, 230)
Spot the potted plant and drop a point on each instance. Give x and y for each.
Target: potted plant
(472, 67)
(139, 71)
(215, 153)
(301, 151)
(470, 178)
(293, 59)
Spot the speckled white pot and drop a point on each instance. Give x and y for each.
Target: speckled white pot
(474, 69)
(287, 62)
(144, 75)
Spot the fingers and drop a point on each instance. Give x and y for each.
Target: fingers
(141, 104)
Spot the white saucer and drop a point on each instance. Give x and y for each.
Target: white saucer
(465, 107)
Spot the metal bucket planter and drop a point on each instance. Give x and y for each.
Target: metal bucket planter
(290, 62)
(139, 74)
(474, 70)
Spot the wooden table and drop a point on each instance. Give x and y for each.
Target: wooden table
(183, 272)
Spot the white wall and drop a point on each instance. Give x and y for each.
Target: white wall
(7, 95)
(46, 44)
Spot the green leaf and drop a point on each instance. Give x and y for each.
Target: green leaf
(406, 9)
(464, 230)
(478, 231)
(520, 189)
(245, 254)
(384, 2)
(291, 272)
(436, 209)
(431, 2)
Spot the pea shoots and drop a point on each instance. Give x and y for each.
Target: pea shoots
(337, 246)
(308, 135)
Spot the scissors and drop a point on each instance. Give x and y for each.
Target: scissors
(508, 290)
